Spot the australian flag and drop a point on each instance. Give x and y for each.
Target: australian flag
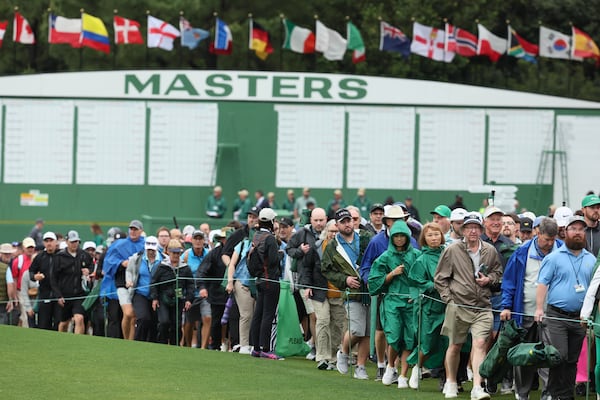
(393, 39)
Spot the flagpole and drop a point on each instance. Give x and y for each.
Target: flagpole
(249, 41)
(147, 55)
(507, 50)
(314, 55)
(16, 9)
(281, 33)
(115, 11)
(216, 14)
(570, 62)
(539, 66)
(81, 10)
(180, 50)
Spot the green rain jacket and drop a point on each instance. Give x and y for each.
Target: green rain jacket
(422, 274)
(385, 263)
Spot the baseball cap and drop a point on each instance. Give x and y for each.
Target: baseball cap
(538, 220)
(561, 215)
(49, 235)
(377, 206)
(198, 232)
(100, 249)
(491, 211)
(342, 214)
(458, 214)
(472, 218)
(286, 221)
(6, 248)
(89, 245)
(526, 224)
(442, 211)
(136, 224)
(188, 230)
(590, 200)
(28, 242)
(576, 218)
(395, 212)
(254, 211)
(266, 214)
(151, 243)
(73, 236)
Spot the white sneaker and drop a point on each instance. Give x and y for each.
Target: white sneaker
(245, 349)
(479, 394)
(450, 390)
(342, 362)
(469, 374)
(402, 382)
(389, 376)
(414, 378)
(312, 354)
(224, 347)
(360, 372)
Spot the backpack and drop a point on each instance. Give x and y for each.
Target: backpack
(256, 259)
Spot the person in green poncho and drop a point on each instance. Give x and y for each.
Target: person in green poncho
(390, 275)
(432, 308)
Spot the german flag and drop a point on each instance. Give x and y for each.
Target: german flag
(260, 41)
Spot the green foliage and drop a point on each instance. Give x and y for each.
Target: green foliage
(555, 77)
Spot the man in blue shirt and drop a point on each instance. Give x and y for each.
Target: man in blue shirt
(564, 278)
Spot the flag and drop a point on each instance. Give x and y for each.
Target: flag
(260, 40)
(22, 32)
(459, 41)
(554, 44)
(190, 36)
(329, 42)
(161, 34)
(64, 30)
(223, 43)
(127, 31)
(393, 39)
(297, 39)
(3, 25)
(429, 42)
(94, 33)
(583, 45)
(355, 43)
(521, 48)
(489, 44)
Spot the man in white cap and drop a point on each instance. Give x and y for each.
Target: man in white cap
(49, 312)
(562, 215)
(457, 217)
(465, 273)
(563, 281)
(9, 300)
(72, 264)
(114, 267)
(19, 265)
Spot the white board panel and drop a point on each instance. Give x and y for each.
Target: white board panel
(183, 143)
(381, 143)
(579, 137)
(310, 146)
(451, 148)
(38, 141)
(111, 143)
(516, 141)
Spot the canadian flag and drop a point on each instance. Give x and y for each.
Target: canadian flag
(489, 44)
(22, 32)
(3, 25)
(127, 31)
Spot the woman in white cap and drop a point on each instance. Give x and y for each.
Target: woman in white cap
(267, 286)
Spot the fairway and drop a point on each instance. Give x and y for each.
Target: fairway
(48, 365)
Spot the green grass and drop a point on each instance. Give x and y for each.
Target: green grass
(39, 364)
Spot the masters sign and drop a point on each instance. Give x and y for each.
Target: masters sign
(245, 86)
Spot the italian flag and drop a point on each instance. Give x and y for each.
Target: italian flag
(355, 43)
(300, 40)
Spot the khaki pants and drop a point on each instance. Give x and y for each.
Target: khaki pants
(331, 323)
(245, 303)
